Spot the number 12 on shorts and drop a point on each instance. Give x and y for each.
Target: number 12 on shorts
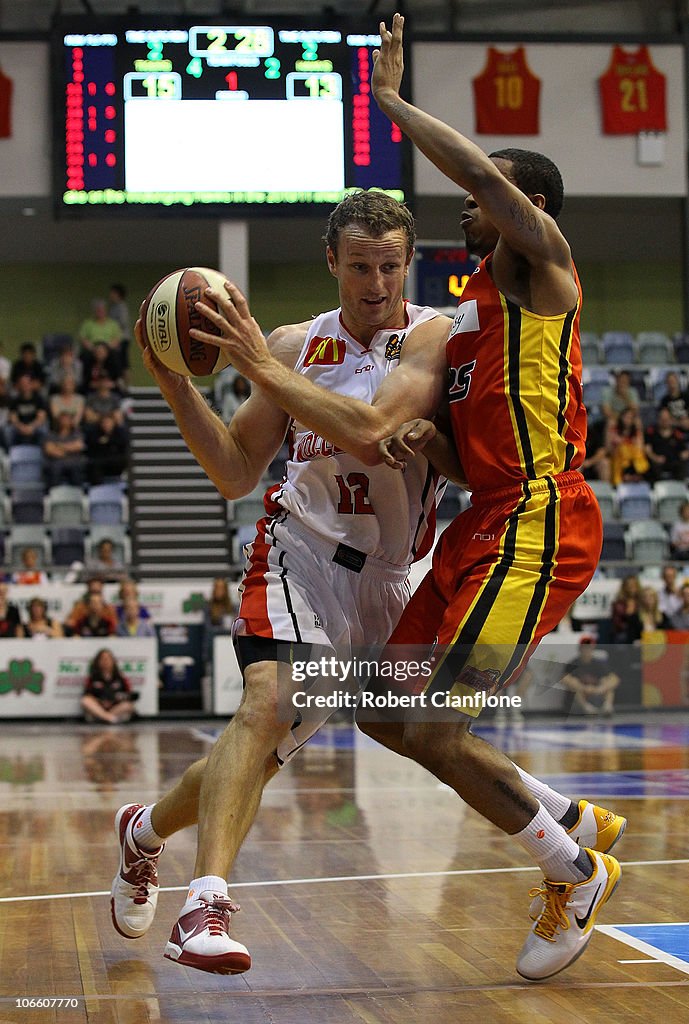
(354, 495)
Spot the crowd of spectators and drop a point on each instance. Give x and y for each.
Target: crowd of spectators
(72, 404)
(91, 615)
(638, 611)
(621, 449)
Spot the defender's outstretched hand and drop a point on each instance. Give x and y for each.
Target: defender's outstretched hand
(407, 440)
(388, 62)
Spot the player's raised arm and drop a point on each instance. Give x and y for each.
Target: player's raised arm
(519, 219)
(234, 455)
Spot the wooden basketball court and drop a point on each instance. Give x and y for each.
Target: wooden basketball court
(370, 894)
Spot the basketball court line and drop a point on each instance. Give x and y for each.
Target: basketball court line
(655, 953)
(382, 877)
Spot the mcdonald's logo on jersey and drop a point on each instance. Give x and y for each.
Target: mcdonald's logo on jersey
(325, 352)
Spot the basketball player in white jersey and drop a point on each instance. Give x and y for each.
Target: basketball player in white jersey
(328, 569)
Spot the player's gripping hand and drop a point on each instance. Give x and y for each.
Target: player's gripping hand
(167, 380)
(407, 440)
(388, 62)
(240, 335)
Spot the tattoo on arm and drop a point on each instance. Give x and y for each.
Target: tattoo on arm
(398, 113)
(523, 214)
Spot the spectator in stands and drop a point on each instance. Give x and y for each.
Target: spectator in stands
(236, 396)
(131, 623)
(30, 572)
(129, 590)
(679, 534)
(4, 411)
(10, 622)
(680, 620)
(107, 695)
(66, 364)
(666, 448)
(669, 600)
(80, 607)
(28, 415)
(67, 399)
(63, 453)
(651, 618)
(591, 681)
(628, 460)
(596, 465)
(39, 624)
(104, 365)
(118, 310)
(106, 450)
(623, 395)
(28, 365)
(626, 625)
(676, 401)
(105, 400)
(99, 327)
(5, 365)
(109, 568)
(218, 615)
(95, 621)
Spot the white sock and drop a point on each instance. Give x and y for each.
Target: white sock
(554, 851)
(212, 882)
(145, 835)
(555, 803)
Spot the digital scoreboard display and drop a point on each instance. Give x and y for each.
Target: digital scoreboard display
(220, 116)
(440, 272)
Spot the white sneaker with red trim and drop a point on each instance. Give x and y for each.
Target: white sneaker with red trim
(201, 936)
(134, 890)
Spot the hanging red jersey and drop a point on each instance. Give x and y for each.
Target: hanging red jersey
(6, 86)
(506, 95)
(632, 94)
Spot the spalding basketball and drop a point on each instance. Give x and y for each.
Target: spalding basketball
(169, 312)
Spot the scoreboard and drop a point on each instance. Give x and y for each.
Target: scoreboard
(217, 115)
(439, 272)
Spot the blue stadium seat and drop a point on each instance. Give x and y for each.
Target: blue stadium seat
(618, 347)
(67, 545)
(634, 501)
(107, 504)
(28, 503)
(26, 464)
(595, 380)
(680, 343)
(614, 548)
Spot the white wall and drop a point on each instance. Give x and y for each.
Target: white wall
(570, 122)
(25, 157)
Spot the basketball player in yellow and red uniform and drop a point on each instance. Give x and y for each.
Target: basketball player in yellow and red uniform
(505, 573)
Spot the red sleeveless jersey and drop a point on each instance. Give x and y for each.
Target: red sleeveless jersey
(6, 87)
(632, 94)
(506, 95)
(515, 388)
